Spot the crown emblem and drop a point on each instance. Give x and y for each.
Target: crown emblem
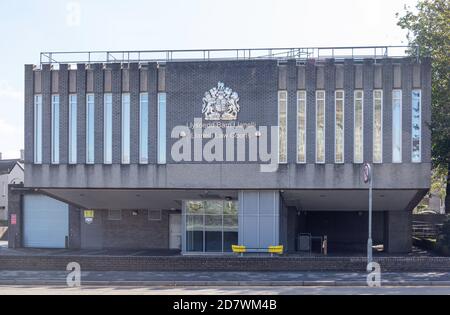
(220, 103)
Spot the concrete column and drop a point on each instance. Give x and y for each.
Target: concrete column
(398, 232)
(14, 208)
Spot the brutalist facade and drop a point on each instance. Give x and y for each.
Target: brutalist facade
(106, 137)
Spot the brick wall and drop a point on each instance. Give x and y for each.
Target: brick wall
(223, 263)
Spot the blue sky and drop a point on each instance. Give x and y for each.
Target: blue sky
(30, 26)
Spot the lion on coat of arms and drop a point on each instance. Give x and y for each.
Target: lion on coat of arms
(220, 103)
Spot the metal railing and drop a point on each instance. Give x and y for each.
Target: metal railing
(302, 54)
(425, 230)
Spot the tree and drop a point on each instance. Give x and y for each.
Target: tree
(429, 28)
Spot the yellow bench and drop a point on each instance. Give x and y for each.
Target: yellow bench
(240, 249)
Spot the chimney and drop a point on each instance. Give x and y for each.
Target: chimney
(22, 155)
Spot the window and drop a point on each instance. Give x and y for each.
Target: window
(377, 126)
(416, 132)
(154, 215)
(38, 129)
(397, 126)
(339, 127)
(211, 226)
(301, 126)
(115, 215)
(143, 128)
(282, 126)
(73, 129)
(125, 128)
(358, 139)
(107, 125)
(90, 119)
(320, 126)
(55, 129)
(161, 128)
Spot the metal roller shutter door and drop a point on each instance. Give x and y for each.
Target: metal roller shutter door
(45, 222)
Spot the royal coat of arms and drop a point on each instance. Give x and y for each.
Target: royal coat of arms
(220, 103)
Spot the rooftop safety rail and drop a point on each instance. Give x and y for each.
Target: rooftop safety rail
(281, 54)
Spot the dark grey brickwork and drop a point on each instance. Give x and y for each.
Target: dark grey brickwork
(368, 109)
(15, 207)
(310, 77)
(256, 82)
(292, 111)
(153, 112)
(46, 114)
(134, 113)
(329, 110)
(388, 85)
(29, 114)
(81, 113)
(406, 109)
(63, 90)
(74, 227)
(135, 232)
(116, 113)
(349, 79)
(222, 263)
(99, 116)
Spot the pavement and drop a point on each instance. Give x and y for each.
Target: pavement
(225, 291)
(235, 279)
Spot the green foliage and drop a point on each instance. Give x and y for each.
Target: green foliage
(429, 28)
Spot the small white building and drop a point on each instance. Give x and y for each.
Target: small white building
(11, 172)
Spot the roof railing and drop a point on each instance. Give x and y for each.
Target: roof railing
(282, 54)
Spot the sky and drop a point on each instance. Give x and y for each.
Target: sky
(28, 27)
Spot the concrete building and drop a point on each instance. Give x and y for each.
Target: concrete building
(199, 150)
(11, 172)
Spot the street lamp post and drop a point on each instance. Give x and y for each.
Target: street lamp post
(367, 177)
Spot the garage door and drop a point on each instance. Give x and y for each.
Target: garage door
(45, 222)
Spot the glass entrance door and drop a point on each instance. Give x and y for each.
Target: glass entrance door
(210, 225)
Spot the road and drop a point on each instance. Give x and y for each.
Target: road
(288, 290)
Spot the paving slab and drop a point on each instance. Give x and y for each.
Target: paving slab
(178, 278)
